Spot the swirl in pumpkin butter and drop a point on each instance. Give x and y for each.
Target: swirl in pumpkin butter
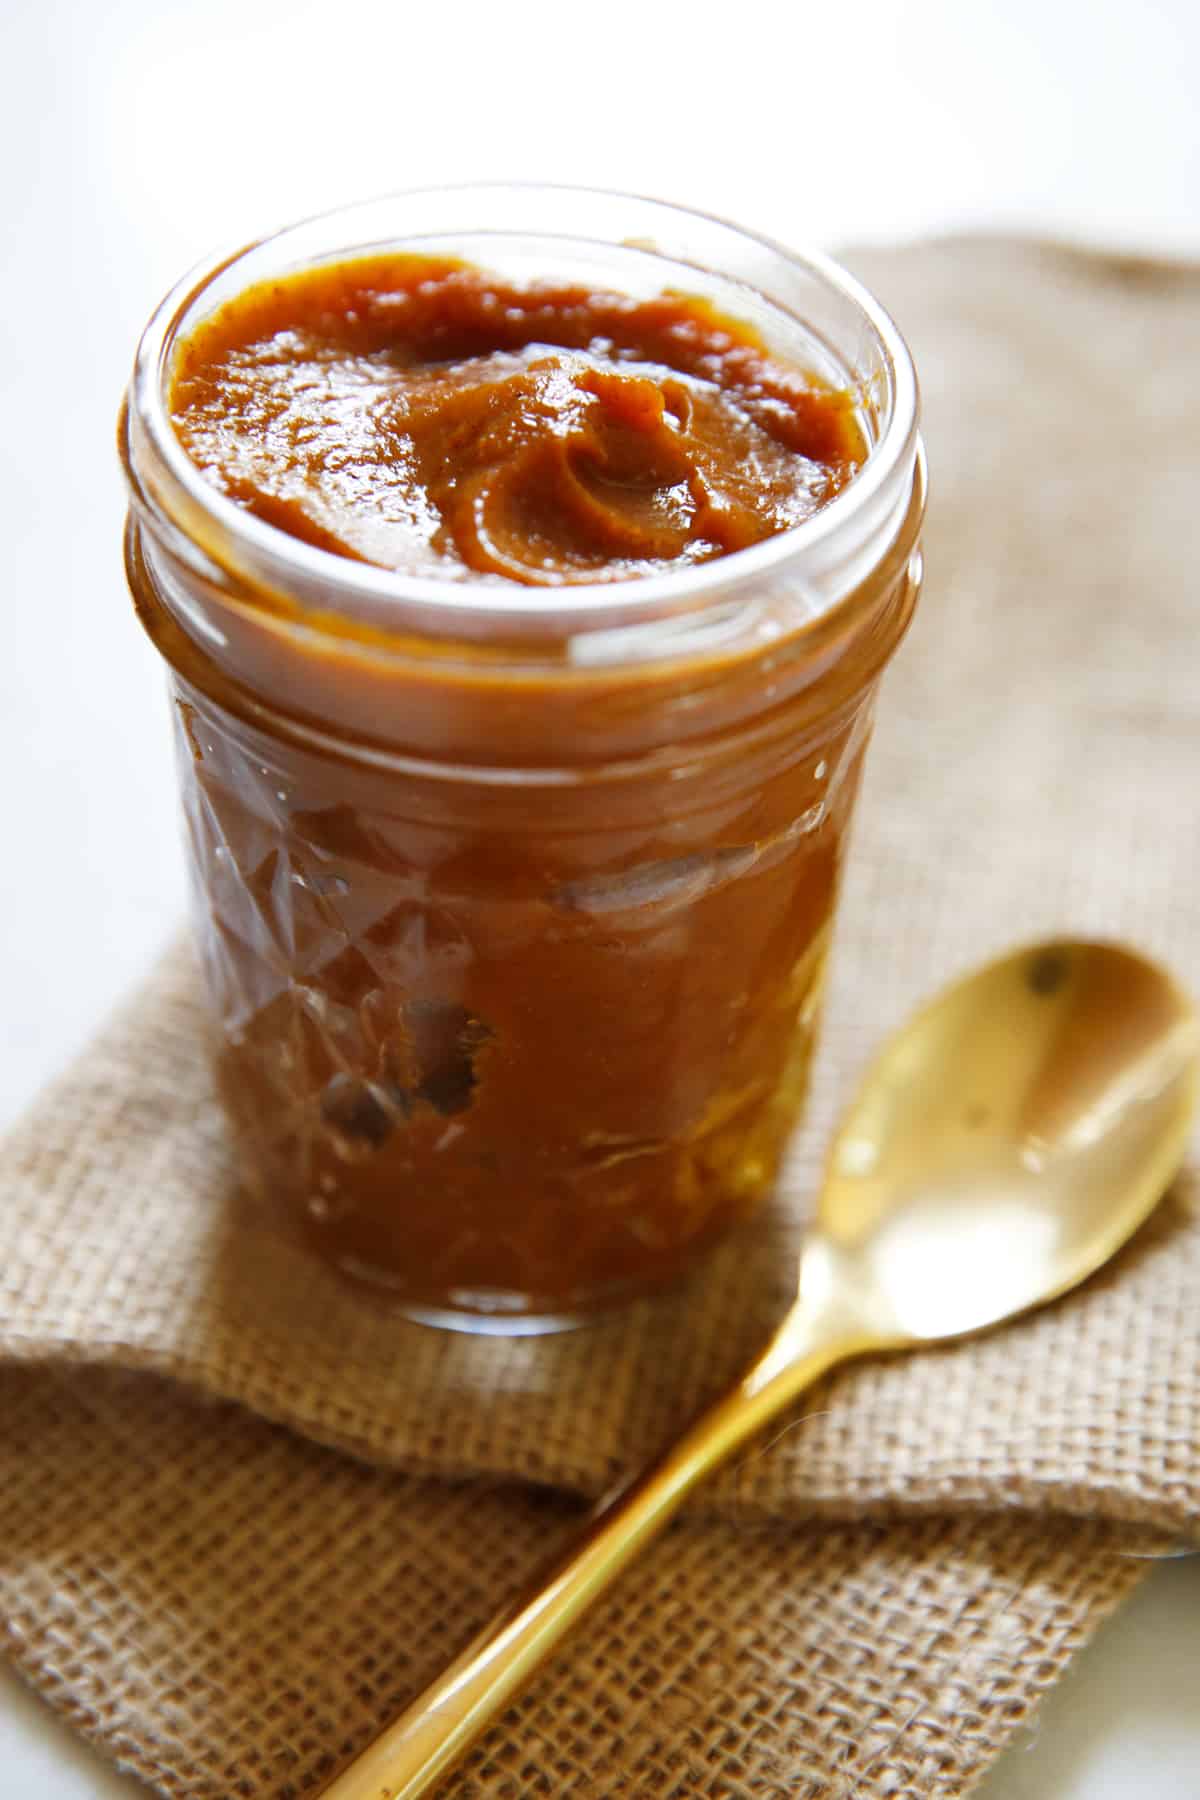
(428, 418)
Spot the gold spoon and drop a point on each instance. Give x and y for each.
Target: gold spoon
(1004, 1144)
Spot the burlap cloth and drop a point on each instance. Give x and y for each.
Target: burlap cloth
(242, 1517)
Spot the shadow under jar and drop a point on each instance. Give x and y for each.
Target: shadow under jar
(514, 902)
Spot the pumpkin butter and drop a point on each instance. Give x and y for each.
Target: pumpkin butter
(515, 953)
(425, 417)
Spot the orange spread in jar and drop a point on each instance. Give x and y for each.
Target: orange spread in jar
(508, 1044)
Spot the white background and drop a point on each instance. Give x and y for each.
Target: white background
(136, 135)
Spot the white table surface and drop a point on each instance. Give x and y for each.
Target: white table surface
(136, 134)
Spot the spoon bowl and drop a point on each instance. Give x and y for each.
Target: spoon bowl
(1003, 1146)
(1006, 1142)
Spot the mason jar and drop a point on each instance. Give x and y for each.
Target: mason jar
(514, 910)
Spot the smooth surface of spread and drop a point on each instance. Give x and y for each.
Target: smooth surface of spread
(424, 416)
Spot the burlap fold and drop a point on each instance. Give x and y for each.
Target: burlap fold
(873, 1602)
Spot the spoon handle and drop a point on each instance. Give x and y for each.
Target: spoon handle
(440, 1724)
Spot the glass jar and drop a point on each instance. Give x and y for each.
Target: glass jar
(514, 912)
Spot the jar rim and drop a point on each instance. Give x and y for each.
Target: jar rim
(223, 543)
